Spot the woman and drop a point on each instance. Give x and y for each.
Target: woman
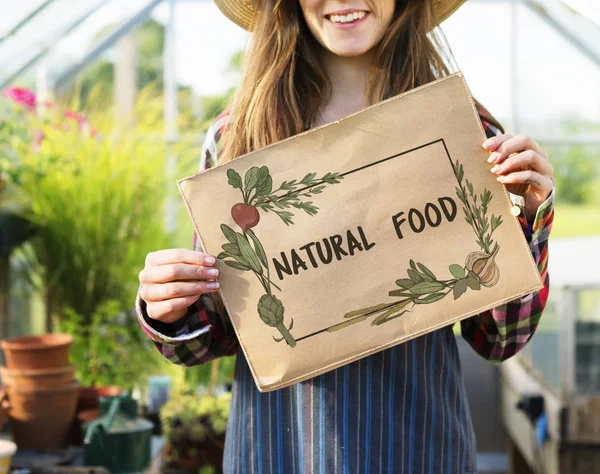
(403, 409)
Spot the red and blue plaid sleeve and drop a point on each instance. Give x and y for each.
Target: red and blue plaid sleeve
(205, 332)
(501, 332)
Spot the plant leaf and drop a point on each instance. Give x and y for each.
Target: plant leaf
(234, 178)
(223, 255)
(430, 299)
(473, 283)
(266, 188)
(405, 283)
(412, 265)
(260, 251)
(459, 288)
(232, 249)
(248, 253)
(251, 178)
(457, 271)
(427, 271)
(237, 265)
(414, 276)
(229, 233)
(426, 287)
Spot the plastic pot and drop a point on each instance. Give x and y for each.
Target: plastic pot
(26, 379)
(37, 352)
(41, 419)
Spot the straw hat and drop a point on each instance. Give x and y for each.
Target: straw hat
(243, 12)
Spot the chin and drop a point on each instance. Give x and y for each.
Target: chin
(350, 51)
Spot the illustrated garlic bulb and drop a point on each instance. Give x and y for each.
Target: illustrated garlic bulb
(483, 266)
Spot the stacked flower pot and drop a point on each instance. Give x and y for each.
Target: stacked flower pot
(42, 389)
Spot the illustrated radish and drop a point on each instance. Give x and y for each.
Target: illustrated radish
(245, 216)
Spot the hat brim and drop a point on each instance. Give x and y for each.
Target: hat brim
(243, 12)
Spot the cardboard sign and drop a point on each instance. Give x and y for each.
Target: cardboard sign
(361, 234)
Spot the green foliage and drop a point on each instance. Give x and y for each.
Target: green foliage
(193, 424)
(576, 173)
(98, 206)
(109, 349)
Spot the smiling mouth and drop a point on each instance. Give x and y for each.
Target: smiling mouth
(351, 17)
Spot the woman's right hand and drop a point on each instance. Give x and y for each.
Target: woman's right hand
(172, 280)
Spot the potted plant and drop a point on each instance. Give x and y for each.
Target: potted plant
(194, 429)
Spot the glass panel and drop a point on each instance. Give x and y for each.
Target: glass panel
(587, 342)
(542, 354)
(540, 98)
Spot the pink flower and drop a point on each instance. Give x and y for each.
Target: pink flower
(39, 136)
(79, 118)
(21, 96)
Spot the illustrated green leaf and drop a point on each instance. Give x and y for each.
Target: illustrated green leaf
(427, 271)
(430, 299)
(237, 265)
(426, 287)
(414, 276)
(248, 253)
(400, 293)
(459, 288)
(265, 188)
(223, 255)
(412, 265)
(260, 251)
(261, 177)
(457, 271)
(405, 283)
(229, 233)
(232, 249)
(235, 179)
(251, 178)
(473, 283)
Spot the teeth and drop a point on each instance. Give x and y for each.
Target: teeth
(350, 17)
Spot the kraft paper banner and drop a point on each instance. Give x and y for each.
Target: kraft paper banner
(361, 234)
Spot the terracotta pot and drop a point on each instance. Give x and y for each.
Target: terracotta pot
(4, 406)
(89, 396)
(26, 379)
(37, 352)
(41, 419)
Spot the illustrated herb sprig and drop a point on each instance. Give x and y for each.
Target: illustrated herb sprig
(244, 251)
(257, 192)
(476, 213)
(422, 286)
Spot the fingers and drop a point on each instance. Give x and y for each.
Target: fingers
(502, 146)
(168, 291)
(527, 159)
(530, 177)
(171, 256)
(169, 311)
(177, 272)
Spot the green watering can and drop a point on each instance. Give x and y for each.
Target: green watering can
(118, 440)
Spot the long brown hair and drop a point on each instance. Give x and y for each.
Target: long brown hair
(284, 81)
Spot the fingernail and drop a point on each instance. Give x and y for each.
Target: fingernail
(213, 285)
(501, 179)
(495, 169)
(213, 272)
(489, 143)
(209, 260)
(493, 157)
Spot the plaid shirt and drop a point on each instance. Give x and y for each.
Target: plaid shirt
(398, 410)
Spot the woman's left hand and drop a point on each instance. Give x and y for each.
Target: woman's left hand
(524, 167)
